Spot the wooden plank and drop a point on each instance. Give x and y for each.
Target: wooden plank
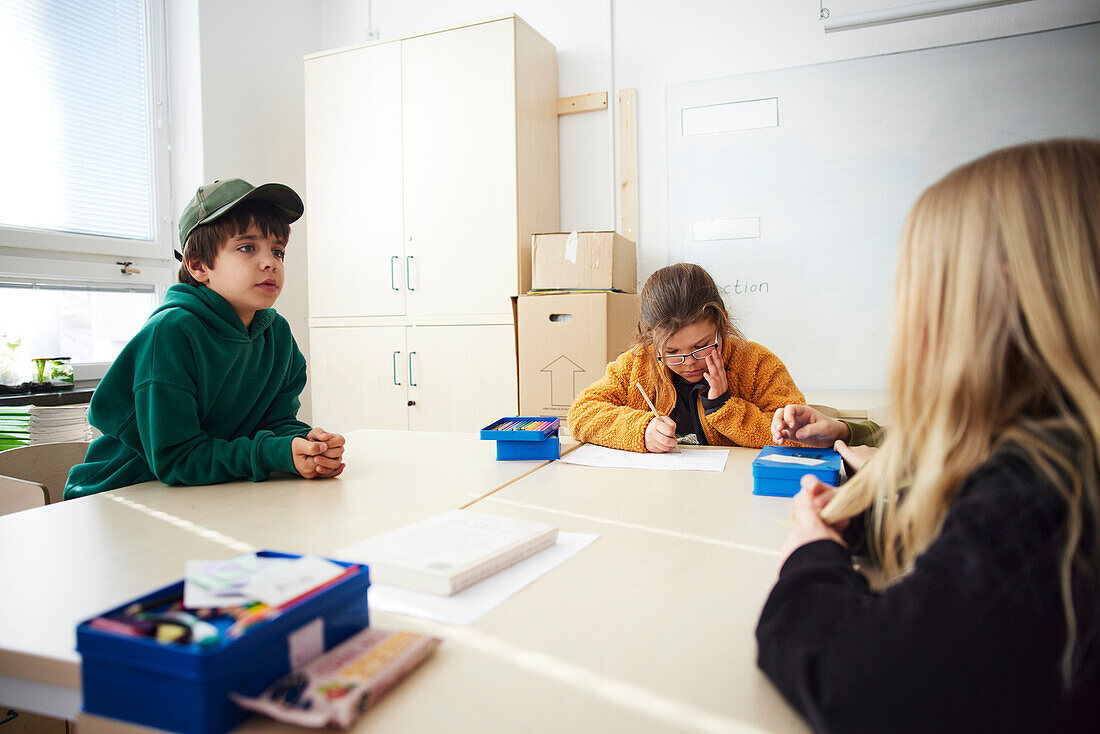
(582, 103)
(628, 165)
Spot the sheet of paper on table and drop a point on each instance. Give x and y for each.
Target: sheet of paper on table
(689, 458)
(470, 604)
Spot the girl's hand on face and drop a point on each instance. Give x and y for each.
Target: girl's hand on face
(715, 376)
(660, 435)
(812, 427)
(806, 513)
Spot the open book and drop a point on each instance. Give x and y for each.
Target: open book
(445, 553)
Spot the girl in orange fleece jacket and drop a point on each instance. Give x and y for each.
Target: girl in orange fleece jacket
(710, 385)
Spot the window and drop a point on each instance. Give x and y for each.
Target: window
(43, 318)
(84, 184)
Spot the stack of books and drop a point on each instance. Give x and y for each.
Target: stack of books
(22, 425)
(15, 426)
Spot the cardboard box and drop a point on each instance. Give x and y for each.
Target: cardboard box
(565, 342)
(583, 261)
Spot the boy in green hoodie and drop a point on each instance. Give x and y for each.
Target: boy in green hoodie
(208, 390)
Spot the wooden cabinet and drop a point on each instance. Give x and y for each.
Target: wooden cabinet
(353, 220)
(424, 378)
(430, 162)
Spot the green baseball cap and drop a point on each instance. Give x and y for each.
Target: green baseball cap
(215, 199)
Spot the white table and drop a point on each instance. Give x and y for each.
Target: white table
(71, 560)
(650, 629)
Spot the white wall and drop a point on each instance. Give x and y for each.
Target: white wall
(249, 62)
(251, 122)
(649, 44)
(608, 45)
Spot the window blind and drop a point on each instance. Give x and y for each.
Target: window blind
(77, 121)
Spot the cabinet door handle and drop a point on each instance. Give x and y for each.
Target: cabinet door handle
(393, 281)
(408, 273)
(411, 383)
(395, 367)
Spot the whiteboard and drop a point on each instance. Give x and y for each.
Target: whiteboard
(797, 213)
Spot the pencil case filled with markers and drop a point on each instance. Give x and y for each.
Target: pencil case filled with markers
(179, 679)
(777, 470)
(524, 438)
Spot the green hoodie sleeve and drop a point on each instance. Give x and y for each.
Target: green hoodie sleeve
(179, 452)
(282, 417)
(865, 433)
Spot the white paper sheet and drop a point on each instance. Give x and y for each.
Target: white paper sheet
(687, 459)
(469, 605)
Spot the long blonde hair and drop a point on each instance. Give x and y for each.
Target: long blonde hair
(996, 340)
(673, 297)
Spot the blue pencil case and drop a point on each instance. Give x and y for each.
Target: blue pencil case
(185, 687)
(777, 471)
(524, 438)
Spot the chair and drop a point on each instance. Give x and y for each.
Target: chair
(46, 464)
(17, 494)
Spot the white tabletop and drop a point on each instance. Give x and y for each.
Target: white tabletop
(713, 507)
(72, 560)
(650, 629)
(392, 478)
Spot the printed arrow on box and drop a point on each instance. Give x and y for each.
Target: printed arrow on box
(562, 379)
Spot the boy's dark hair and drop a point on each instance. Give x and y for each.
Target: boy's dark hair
(206, 239)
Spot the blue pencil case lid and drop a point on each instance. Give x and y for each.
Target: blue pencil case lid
(521, 428)
(791, 462)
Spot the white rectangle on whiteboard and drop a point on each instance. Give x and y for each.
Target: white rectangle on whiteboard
(726, 229)
(730, 117)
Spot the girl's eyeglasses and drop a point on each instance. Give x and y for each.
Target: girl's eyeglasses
(700, 353)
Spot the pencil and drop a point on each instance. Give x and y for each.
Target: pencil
(647, 400)
(652, 407)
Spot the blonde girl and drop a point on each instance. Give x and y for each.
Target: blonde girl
(983, 504)
(710, 385)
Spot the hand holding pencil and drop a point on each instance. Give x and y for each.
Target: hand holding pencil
(660, 434)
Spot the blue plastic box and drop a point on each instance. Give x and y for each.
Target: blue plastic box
(184, 688)
(778, 479)
(512, 445)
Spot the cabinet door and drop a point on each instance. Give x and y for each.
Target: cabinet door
(460, 170)
(358, 376)
(353, 182)
(460, 377)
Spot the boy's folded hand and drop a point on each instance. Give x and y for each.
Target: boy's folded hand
(334, 452)
(314, 458)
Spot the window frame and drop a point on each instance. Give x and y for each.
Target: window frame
(80, 246)
(107, 276)
(86, 260)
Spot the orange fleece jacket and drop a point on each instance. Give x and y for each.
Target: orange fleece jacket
(612, 413)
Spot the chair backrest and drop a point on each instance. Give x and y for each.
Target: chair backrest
(47, 464)
(17, 494)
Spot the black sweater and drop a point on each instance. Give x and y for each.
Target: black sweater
(970, 641)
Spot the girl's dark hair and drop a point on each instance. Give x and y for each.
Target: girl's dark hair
(674, 297)
(206, 239)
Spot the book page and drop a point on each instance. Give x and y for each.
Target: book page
(687, 459)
